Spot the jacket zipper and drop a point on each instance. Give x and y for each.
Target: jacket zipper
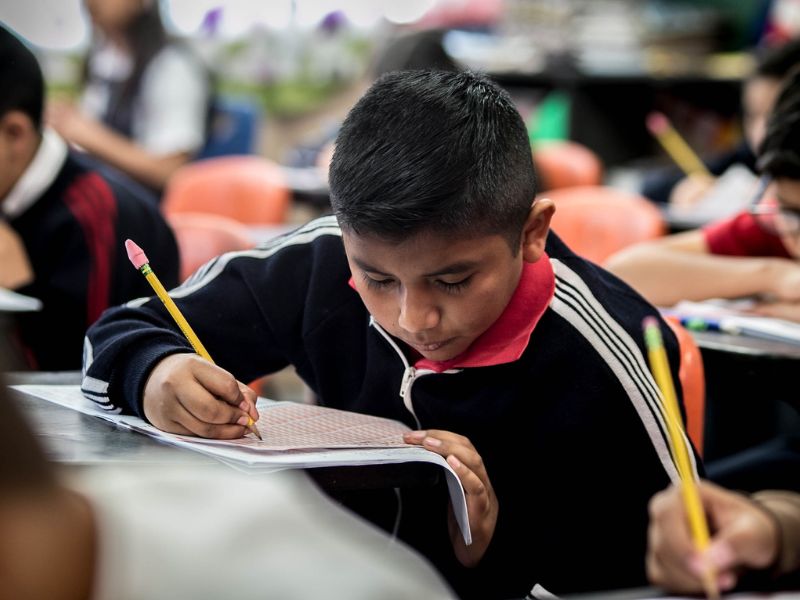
(410, 373)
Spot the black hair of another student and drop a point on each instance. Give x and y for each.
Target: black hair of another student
(776, 62)
(21, 80)
(433, 151)
(779, 155)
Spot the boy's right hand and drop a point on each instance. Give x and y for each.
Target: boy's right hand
(188, 395)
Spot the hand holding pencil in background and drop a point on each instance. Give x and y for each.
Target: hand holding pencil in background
(744, 536)
(678, 442)
(187, 393)
(698, 180)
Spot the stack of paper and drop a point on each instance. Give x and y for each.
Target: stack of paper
(295, 436)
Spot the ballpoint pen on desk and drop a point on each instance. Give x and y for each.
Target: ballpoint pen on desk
(674, 144)
(139, 260)
(659, 365)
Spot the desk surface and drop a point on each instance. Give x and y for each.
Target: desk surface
(750, 398)
(74, 438)
(77, 439)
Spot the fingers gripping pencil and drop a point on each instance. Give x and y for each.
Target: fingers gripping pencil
(659, 365)
(139, 260)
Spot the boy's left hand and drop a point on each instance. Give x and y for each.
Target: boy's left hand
(481, 502)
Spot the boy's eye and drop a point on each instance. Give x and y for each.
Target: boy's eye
(453, 287)
(373, 283)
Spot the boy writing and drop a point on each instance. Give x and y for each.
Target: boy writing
(434, 297)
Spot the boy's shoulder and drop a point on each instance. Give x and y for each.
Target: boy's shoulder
(589, 288)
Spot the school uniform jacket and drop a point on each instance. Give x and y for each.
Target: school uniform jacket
(568, 422)
(73, 222)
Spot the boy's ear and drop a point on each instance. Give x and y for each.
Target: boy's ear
(534, 233)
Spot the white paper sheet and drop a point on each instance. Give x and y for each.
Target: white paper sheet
(13, 302)
(370, 440)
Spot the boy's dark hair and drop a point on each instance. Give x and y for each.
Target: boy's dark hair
(433, 151)
(779, 155)
(778, 61)
(21, 80)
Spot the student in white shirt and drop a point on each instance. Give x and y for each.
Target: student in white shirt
(145, 102)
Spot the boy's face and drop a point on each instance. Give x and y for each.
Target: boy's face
(787, 193)
(439, 293)
(434, 293)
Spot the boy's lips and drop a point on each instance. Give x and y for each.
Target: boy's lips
(429, 346)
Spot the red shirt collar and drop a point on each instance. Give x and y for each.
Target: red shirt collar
(507, 338)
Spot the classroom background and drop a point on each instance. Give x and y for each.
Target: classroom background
(615, 95)
(585, 76)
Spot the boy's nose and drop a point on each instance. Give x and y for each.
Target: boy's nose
(417, 313)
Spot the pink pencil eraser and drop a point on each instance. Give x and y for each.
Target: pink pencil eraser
(135, 254)
(649, 322)
(657, 123)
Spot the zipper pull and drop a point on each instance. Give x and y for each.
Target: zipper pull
(408, 378)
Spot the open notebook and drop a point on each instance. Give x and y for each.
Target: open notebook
(295, 435)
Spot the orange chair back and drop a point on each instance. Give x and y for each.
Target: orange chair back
(202, 236)
(565, 163)
(249, 189)
(693, 382)
(597, 221)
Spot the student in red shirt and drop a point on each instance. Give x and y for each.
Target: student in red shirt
(753, 253)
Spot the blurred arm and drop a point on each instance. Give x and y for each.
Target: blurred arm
(680, 267)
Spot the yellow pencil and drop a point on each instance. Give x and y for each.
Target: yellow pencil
(659, 365)
(674, 144)
(139, 259)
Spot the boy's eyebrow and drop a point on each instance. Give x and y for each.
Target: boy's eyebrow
(451, 269)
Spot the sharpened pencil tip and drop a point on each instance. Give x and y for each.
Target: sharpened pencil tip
(251, 425)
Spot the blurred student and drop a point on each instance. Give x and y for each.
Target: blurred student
(760, 533)
(754, 253)
(758, 97)
(199, 532)
(145, 102)
(64, 226)
(435, 296)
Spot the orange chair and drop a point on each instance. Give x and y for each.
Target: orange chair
(202, 236)
(249, 189)
(597, 221)
(693, 382)
(563, 163)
